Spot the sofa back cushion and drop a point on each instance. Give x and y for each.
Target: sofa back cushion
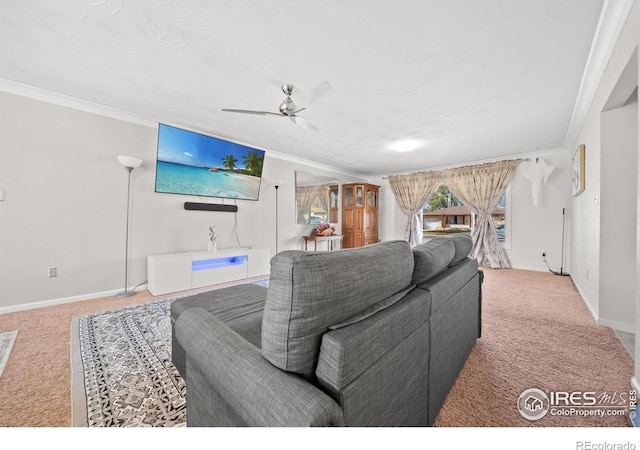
(431, 258)
(439, 253)
(462, 244)
(312, 291)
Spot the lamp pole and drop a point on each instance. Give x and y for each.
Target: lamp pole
(129, 163)
(276, 186)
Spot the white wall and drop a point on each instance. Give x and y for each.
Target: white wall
(536, 228)
(392, 221)
(618, 198)
(586, 208)
(65, 205)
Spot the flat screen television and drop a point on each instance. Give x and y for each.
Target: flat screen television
(190, 163)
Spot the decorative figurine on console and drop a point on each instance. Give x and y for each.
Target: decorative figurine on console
(323, 229)
(213, 247)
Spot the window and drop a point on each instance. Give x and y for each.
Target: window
(444, 213)
(499, 217)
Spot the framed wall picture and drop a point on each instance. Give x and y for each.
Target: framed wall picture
(578, 171)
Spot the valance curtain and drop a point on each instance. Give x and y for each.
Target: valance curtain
(480, 187)
(412, 191)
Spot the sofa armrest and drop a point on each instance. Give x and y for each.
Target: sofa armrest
(257, 391)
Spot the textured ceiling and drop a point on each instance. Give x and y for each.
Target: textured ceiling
(470, 80)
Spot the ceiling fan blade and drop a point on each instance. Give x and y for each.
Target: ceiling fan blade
(304, 123)
(247, 111)
(318, 92)
(288, 108)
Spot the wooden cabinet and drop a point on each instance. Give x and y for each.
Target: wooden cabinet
(359, 214)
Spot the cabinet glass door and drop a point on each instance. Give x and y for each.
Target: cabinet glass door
(358, 196)
(348, 196)
(333, 197)
(371, 200)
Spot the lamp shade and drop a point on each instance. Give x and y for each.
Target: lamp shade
(129, 161)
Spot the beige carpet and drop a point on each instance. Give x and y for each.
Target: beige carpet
(536, 333)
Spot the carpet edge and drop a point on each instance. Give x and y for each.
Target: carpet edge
(5, 357)
(78, 394)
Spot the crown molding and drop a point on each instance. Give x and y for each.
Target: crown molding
(56, 98)
(315, 165)
(612, 19)
(524, 156)
(44, 95)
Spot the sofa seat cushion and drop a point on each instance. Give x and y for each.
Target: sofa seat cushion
(311, 291)
(431, 258)
(239, 307)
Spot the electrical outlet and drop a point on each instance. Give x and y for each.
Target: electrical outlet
(52, 272)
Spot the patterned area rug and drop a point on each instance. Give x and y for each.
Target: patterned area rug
(122, 374)
(6, 344)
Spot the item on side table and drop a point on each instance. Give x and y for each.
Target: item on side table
(384, 328)
(323, 229)
(212, 247)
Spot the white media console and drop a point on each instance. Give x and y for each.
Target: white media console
(182, 271)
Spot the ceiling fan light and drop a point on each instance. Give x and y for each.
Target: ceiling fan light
(406, 145)
(287, 106)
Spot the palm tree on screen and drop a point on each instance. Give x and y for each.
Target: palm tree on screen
(230, 162)
(253, 162)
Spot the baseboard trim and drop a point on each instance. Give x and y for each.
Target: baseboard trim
(61, 301)
(586, 303)
(620, 326)
(532, 269)
(613, 324)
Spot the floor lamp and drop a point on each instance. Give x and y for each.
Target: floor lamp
(129, 163)
(277, 185)
(561, 273)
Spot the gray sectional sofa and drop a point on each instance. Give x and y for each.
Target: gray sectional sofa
(373, 336)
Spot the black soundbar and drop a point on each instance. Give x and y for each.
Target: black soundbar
(210, 207)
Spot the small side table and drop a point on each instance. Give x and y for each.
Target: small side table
(331, 240)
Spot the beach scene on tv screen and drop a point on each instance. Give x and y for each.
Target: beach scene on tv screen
(194, 164)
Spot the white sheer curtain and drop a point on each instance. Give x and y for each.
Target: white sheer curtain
(480, 187)
(306, 195)
(412, 191)
(304, 198)
(323, 192)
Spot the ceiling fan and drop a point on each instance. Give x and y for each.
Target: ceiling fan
(288, 108)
